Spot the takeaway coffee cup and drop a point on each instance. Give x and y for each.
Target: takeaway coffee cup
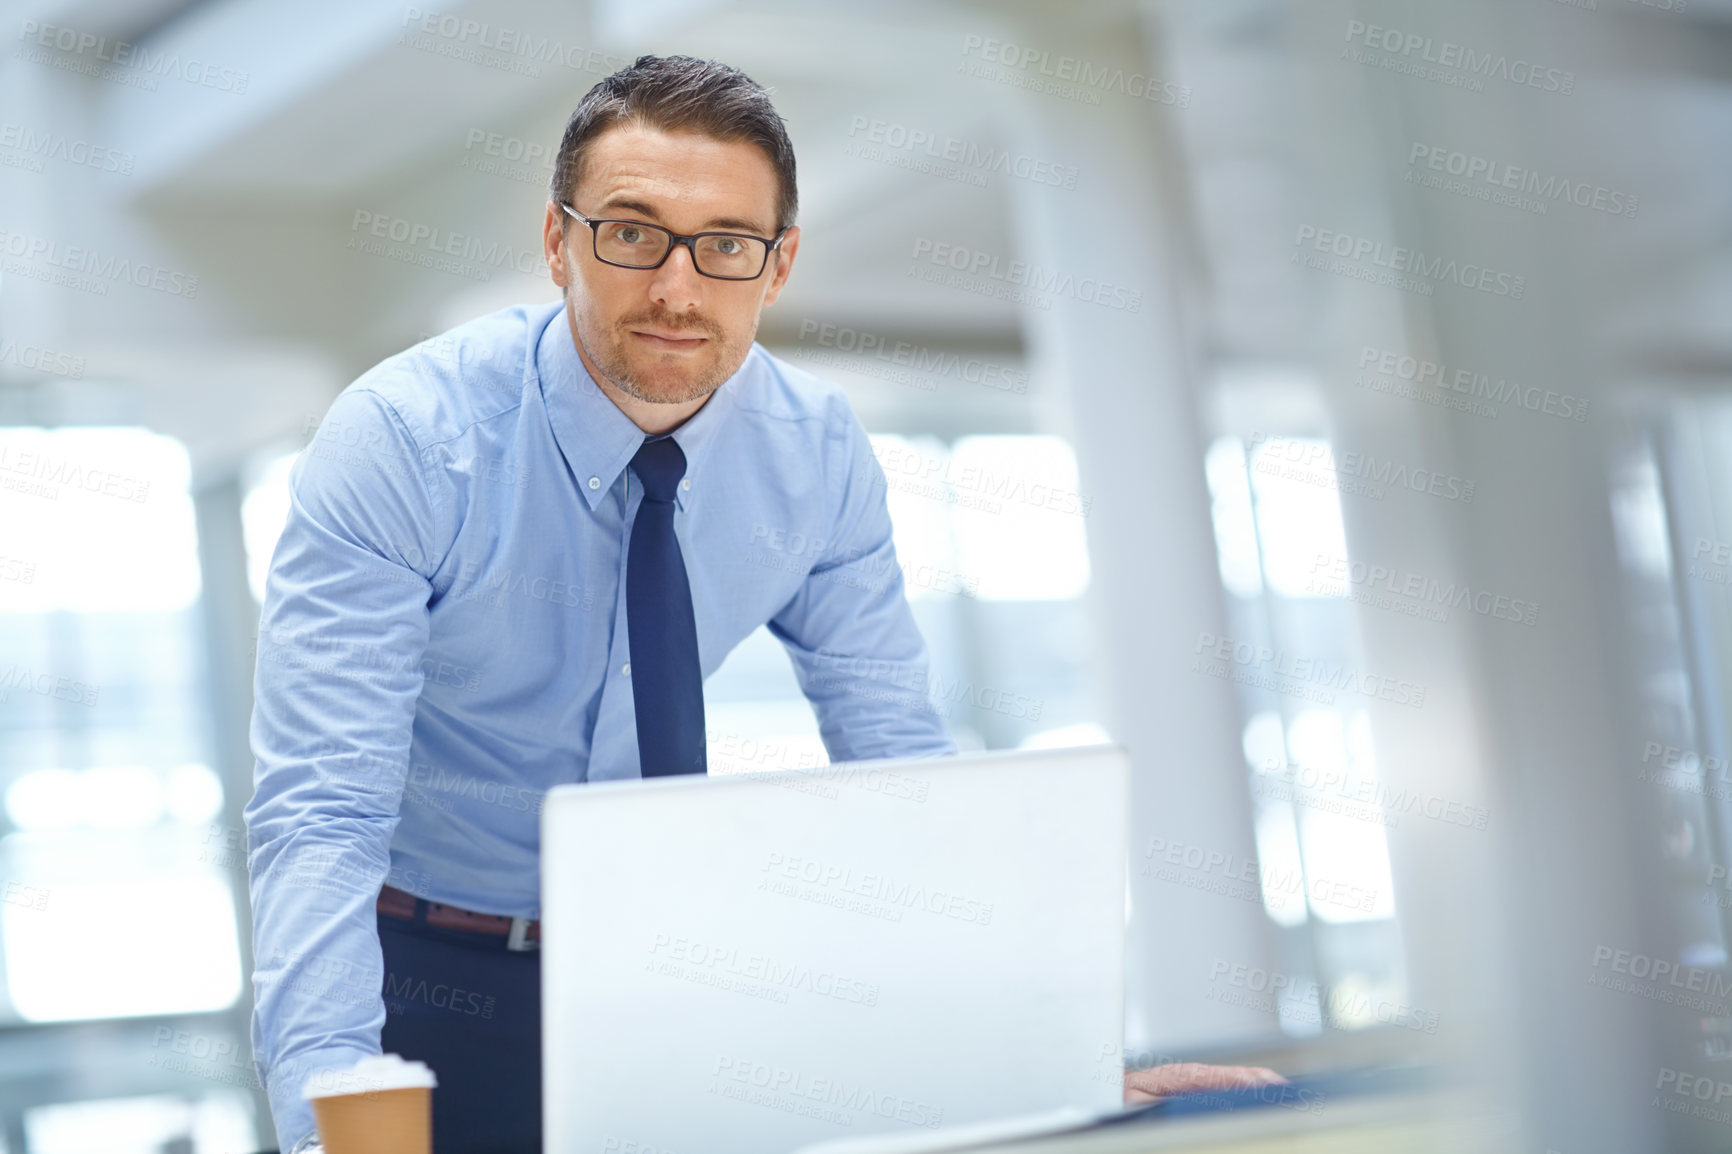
(380, 1105)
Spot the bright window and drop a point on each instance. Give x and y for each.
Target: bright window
(220, 1122)
(113, 905)
(1318, 807)
(264, 511)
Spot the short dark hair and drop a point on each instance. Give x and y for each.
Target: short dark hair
(680, 94)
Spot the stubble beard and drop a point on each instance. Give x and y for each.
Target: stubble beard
(607, 352)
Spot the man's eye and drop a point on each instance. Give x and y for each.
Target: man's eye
(630, 235)
(727, 245)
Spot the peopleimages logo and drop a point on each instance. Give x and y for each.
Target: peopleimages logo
(15, 569)
(43, 360)
(929, 144)
(1674, 1088)
(1689, 979)
(1273, 991)
(1389, 363)
(47, 685)
(909, 470)
(40, 146)
(1301, 783)
(1396, 259)
(426, 244)
(1314, 463)
(91, 269)
(1410, 47)
(918, 358)
(1499, 176)
(695, 959)
(52, 473)
(125, 54)
(1214, 653)
(1332, 575)
(977, 267)
(798, 1092)
(512, 44)
(512, 157)
(1246, 879)
(899, 893)
(1088, 76)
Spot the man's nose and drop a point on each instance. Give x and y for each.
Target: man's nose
(677, 284)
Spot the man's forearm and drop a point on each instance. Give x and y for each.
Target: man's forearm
(318, 972)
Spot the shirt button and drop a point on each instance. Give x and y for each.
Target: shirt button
(626, 669)
(686, 484)
(595, 482)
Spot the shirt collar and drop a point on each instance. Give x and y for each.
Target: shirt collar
(599, 440)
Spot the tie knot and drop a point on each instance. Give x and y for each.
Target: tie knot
(659, 465)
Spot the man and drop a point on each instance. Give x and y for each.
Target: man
(511, 556)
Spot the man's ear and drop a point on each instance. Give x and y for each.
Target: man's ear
(784, 264)
(553, 245)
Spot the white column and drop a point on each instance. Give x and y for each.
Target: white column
(1121, 386)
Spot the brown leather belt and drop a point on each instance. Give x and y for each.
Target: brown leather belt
(520, 933)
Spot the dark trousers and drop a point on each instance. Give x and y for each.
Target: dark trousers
(471, 1009)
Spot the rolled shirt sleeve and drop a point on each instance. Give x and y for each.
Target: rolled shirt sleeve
(856, 649)
(341, 641)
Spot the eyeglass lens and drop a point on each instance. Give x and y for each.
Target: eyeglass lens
(642, 246)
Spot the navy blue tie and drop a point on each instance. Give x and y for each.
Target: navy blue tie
(667, 683)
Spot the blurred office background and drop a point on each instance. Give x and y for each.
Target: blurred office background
(1325, 399)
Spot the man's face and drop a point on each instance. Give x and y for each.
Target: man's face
(667, 335)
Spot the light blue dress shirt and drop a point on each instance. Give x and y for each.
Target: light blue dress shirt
(444, 638)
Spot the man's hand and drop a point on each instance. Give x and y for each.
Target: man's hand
(1158, 1082)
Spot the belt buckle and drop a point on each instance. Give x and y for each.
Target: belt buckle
(519, 939)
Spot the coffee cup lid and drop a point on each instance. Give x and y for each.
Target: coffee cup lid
(370, 1075)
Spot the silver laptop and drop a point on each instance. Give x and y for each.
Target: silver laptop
(759, 961)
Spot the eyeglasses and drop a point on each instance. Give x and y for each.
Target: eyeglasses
(722, 255)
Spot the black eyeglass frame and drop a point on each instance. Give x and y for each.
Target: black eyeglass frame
(771, 244)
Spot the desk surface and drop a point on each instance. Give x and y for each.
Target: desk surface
(1432, 1122)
